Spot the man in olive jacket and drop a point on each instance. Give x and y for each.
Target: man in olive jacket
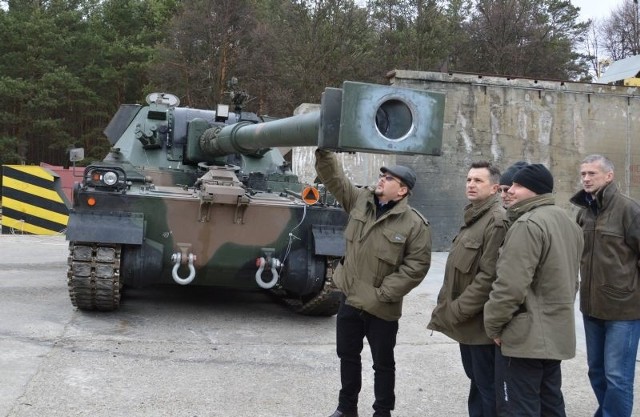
(530, 311)
(610, 287)
(388, 253)
(469, 273)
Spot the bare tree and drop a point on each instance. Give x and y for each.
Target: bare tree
(620, 33)
(593, 48)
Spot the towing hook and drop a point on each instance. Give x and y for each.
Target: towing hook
(273, 263)
(176, 258)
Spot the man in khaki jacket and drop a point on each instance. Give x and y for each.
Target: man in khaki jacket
(388, 253)
(469, 273)
(530, 309)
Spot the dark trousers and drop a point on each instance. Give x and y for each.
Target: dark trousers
(528, 387)
(478, 362)
(352, 326)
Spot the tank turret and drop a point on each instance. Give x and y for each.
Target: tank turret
(204, 197)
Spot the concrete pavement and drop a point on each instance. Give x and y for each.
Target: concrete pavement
(190, 351)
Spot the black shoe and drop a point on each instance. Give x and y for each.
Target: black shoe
(339, 413)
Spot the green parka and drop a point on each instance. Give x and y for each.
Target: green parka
(385, 258)
(610, 287)
(531, 305)
(469, 273)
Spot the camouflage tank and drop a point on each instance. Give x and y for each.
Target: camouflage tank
(204, 197)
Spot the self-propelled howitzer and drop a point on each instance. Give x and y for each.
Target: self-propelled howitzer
(205, 198)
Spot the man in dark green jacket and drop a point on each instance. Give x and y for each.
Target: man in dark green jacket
(469, 273)
(610, 287)
(388, 253)
(530, 313)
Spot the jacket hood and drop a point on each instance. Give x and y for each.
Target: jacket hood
(529, 204)
(473, 213)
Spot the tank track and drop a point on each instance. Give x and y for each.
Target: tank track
(93, 276)
(325, 303)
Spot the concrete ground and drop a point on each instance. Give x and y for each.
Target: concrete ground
(188, 351)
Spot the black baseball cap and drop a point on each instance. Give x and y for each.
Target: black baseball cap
(406, 174)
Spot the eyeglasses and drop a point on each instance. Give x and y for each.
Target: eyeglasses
(389, 178)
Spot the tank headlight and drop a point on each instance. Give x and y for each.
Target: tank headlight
(105, 178)
(110, 178)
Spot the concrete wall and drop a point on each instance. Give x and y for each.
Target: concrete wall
(504, 120)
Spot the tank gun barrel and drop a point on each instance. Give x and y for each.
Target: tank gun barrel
(247, 137)
(356, 118)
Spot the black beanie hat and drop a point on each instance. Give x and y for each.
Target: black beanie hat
(507, 177)
(535, 177)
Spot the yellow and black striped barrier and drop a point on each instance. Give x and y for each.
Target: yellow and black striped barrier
(32, 201)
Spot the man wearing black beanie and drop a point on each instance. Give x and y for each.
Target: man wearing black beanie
(535, 177)
(538, 267)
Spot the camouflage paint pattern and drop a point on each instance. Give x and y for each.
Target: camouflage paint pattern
(197, 197)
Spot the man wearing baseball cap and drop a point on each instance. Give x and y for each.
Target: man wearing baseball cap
(530, 313)
(405, 174)
(388, 253)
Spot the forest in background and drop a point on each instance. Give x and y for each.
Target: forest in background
(68, 64)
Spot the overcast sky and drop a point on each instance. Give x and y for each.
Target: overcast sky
(596, 9)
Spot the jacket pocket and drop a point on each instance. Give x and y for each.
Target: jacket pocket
(356, 222)
(340, 279)
(441, 317)
(517, 329)
(610, 232)
(617, 267)
(465, 259)
(388, 254)
(467, 255)
(617, 293)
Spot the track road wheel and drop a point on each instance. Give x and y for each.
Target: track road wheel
(325, 303)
